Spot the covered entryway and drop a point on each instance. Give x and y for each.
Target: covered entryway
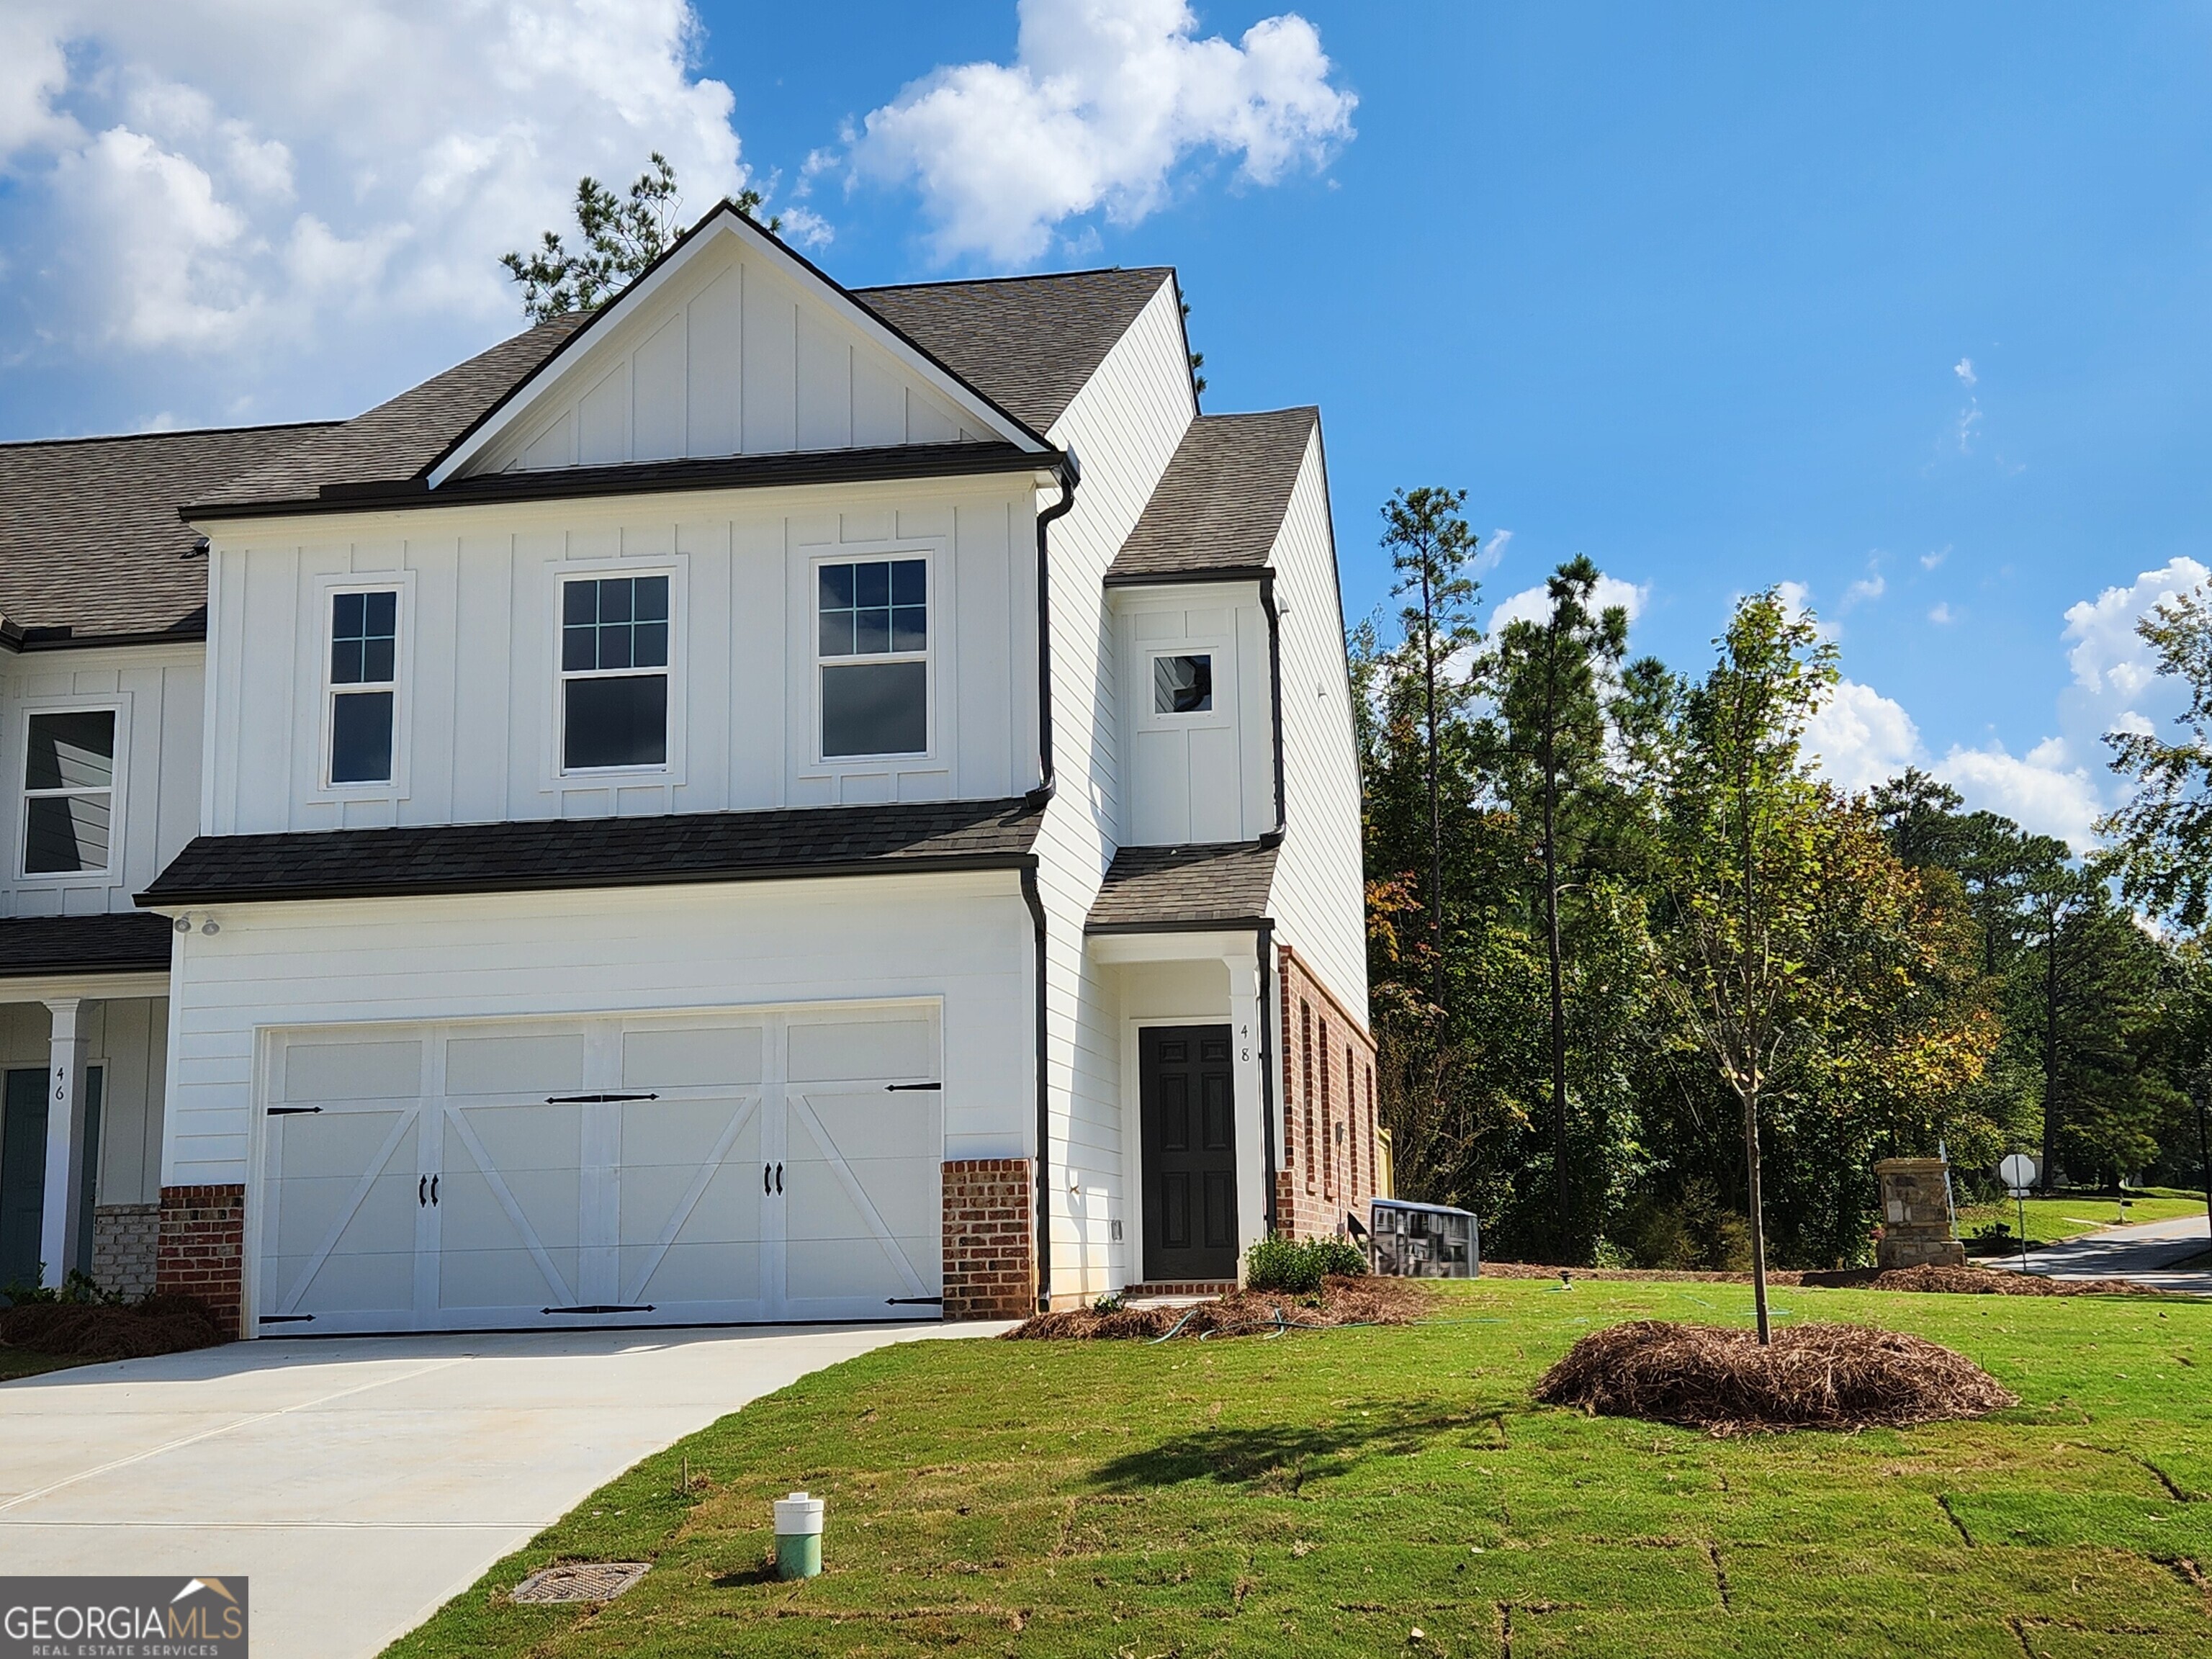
(1186, 1089)
(633, 1170)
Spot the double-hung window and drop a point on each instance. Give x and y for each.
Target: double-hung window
(873, 642)
(364, 685)
(69, 792)
(614, 672)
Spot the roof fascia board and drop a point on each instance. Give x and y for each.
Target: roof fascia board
(513, 407)
(319, 519)
(1185, 925)
(573, 881)
(1226, 575)
(96, 984)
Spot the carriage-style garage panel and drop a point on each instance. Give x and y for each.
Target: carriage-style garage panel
(693, 1167)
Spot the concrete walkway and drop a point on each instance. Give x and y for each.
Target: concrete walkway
(2144, 1253)
(360, 1482)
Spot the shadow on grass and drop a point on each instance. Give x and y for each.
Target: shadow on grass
(760, 1572)
(1286, 1455)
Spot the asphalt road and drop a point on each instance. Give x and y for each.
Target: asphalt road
(2145, 1253)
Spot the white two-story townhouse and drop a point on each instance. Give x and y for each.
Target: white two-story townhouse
(765, 802)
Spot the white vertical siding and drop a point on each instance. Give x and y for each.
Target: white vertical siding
(1196, 778)
(478, 698)
(1319, 893)
(1123, 427)
(157, 693)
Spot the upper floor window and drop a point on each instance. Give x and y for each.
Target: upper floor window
(874, 649)
(69, 792)
(614, 672)
(364, 685)
(1182, 684)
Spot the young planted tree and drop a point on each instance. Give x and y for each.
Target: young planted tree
(1743, 862)
(1553, 681)
(2163, 835)
(1430, 545)
(621, 237)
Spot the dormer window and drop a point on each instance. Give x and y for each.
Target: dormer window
(1182, 684)
(614, 673)
(363, 685)
(873, 617)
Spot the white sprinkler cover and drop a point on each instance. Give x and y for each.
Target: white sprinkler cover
(797, 1516)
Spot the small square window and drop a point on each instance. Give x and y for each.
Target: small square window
(1182, 684)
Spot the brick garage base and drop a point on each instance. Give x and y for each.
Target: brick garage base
(203, 1249)
(990, 1238)
(125, 1246)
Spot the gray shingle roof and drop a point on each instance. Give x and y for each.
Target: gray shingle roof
(646, 852)
(1223, 496)
(79, 945)
(90, 537)
(1181, 888)
(400, 439)
(1027, 342)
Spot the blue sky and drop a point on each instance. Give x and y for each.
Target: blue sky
(1904, 305)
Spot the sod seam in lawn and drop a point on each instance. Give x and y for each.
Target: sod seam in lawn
(1325, 1494)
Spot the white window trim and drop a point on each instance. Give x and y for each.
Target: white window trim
(395, 788)
(669, 773)
(1220, 653)
(117, 703)
(903, 758)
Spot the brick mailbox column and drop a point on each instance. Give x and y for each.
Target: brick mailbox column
(203, 1249)
(990, 1238)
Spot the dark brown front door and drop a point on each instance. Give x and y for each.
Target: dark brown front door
(1186, 1097)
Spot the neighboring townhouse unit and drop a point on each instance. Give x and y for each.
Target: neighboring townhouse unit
(765, 802)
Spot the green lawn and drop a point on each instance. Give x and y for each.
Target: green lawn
(2050, 1219)
(21, 1362)
(1326, 1494)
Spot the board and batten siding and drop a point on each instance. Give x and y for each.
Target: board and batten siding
(1123, 427)
(963, 940)
(1196, 778)
(732, 357)
(1318, 898)
(478, 715)
(157, 693)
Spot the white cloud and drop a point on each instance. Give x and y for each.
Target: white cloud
(298, 207)
(1534, 603)
(1860, 737)
(1964, 369)
(2105, 653)
(1104, 100)
(1865, 591)
(1930, 561)
(1941, 615)
(1491, 553)
(2039, 791)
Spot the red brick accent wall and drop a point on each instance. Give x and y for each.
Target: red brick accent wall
(202, 1254)
(1328, 1092)
(990, 1238)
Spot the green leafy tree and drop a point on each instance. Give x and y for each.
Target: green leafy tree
(1551, 681)
(2163, 835)
(620, 236)
(1430, 545)
(1742, 861)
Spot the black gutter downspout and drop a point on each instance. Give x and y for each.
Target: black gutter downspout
(1035, 902)
(1273, 837)
(1264, 944)
(1070, 473)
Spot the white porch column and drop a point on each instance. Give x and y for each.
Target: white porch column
(1246, 1018)
(63, 1214)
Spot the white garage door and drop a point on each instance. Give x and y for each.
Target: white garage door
(695, 1168)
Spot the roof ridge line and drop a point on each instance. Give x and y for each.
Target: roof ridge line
(1027, 276)
(169, 432)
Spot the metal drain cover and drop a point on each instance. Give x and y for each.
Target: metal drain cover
(581, 1581)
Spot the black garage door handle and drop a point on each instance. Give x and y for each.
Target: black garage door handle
(423, 1191)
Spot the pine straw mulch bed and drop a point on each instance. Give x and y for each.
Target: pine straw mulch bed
(75, 1330)
(1342, 1301)
(1811, 1377)
(1956, 1281)
(1990, 1281)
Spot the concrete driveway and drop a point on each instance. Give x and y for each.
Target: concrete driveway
(360, 1482)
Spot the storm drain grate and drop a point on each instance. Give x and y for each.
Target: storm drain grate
(581, 1581)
